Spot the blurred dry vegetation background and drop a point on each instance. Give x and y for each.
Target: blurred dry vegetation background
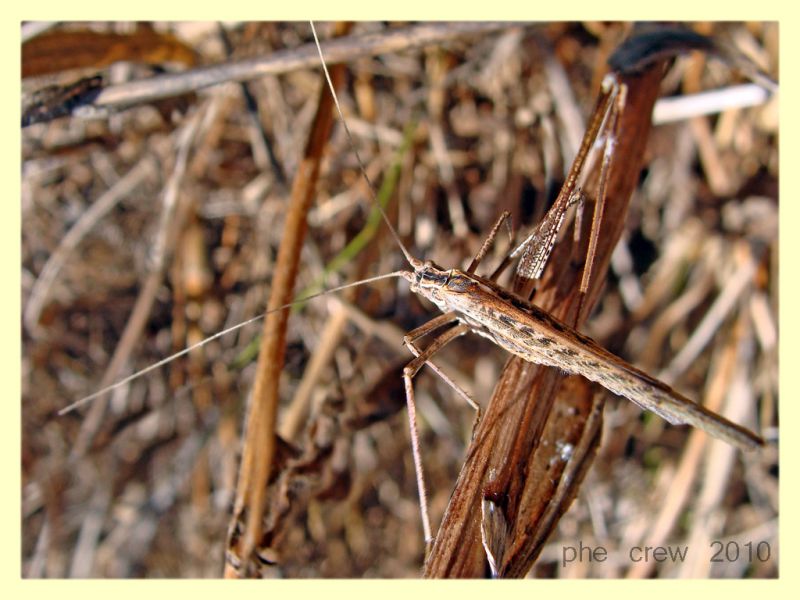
(150, 228)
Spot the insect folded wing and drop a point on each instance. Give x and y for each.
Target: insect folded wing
(532, 334)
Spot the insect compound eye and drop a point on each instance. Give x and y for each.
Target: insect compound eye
(429, 279)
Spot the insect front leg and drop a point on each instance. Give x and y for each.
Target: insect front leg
(420, 358)
(505, 217)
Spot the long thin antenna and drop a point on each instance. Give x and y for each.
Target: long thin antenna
(411, 260)
(416, 265)
(161, 363)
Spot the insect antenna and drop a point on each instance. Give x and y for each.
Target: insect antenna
(414, 262)
(219, 334)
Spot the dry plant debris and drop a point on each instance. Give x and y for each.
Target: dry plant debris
(150, 228)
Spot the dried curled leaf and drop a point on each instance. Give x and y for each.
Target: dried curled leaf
(64, 50)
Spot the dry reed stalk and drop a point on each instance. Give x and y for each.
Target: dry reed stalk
(259, 443)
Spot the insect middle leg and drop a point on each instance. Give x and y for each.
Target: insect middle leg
(424, 356)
